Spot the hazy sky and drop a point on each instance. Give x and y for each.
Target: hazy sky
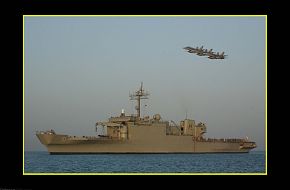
(79, 70)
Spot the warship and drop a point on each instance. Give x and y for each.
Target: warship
(136, 134)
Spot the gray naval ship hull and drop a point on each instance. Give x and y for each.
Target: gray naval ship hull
(143, 140)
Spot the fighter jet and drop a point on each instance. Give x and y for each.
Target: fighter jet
(198, 50)
(191, 50)
(204, 52)
(217, 56)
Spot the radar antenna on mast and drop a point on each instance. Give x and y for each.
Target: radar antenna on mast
(138, 95)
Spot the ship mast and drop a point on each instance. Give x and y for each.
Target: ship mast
(138, 95)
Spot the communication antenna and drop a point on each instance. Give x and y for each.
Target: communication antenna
(138, 95)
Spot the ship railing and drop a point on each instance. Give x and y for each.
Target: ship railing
(50, 132)
(233, 140)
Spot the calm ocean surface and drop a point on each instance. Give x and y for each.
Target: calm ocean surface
(42, 162)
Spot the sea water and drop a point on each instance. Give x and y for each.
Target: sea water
(43, 162)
